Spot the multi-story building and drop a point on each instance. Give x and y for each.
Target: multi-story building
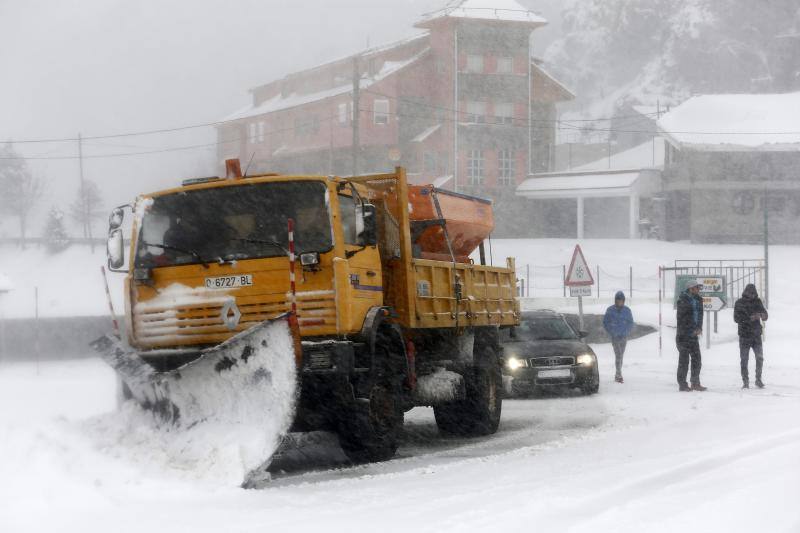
(462, 104)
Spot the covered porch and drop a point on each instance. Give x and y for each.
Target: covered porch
(606, 202)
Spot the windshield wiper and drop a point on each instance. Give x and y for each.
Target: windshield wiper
(178, 249)
(263, 241)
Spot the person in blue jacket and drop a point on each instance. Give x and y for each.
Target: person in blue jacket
(618, 322)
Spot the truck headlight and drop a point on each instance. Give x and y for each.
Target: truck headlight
(514, 363)
(585, 359)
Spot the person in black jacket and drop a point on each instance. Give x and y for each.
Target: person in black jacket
(748, 312)
(690, 327)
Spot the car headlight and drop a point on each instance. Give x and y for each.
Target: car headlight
(585, 359)
(514, 363)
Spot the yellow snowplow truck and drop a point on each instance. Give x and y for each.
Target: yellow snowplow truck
(369, 278)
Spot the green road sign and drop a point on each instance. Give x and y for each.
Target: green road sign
(712, 290)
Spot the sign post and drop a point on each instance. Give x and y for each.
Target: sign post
(712, 291)
(579, 280)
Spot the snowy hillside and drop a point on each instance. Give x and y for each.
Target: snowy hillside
(641, 51)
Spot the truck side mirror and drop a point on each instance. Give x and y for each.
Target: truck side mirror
(116, 217)
(115, 249)
(366, 225)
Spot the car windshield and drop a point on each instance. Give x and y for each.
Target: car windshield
(231, 223)
(545, 329)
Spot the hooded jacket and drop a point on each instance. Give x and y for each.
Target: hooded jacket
(690, 314)
(618, 321)
(747, 306)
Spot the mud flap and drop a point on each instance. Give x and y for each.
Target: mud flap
(245, 386)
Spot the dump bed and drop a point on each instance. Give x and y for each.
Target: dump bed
(430, 293)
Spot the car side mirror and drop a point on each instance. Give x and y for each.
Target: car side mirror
(115, 249)
(583, 334)
(366, 225)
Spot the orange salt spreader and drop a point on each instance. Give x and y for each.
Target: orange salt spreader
(437, 214)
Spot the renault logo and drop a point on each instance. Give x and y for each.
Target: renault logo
(230, 315)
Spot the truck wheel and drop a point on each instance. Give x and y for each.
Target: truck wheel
(371, 432)
(479, 413)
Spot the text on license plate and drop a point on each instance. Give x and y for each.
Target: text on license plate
(229, 282)
(557, 373)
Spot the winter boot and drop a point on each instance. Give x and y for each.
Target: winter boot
(619, 379)
(698, 387)
(683, 387)
(759, 383)
(745, 384)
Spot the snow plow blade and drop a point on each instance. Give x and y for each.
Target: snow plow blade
(245, 386)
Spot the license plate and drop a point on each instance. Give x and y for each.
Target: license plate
(229, 282)
(557, 373)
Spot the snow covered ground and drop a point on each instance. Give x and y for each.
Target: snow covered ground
(635, 457)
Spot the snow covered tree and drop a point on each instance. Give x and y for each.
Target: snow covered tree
(87, 207)
(20, 189)
(55, 233)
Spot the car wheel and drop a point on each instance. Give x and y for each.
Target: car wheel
(592, 386)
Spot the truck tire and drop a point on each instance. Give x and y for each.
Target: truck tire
(479, 413)
(372, 430)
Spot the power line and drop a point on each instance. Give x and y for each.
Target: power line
(161, 150)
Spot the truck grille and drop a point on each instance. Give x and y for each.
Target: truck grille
(208, 319)
(556, 360)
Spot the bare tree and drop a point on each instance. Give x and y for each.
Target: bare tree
(87, 207)
(20, 190)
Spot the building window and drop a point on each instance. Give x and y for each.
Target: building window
(504, 113)
(475, 63)
(505, 65)
(304, 126)
(261, 131)
(506, 170)
(252, 135)
(475, 167)
(342, 113)
(380, 110)
(476, 112)
(743, 203)
(429, 162)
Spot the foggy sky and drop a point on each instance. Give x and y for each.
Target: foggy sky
(101, 67)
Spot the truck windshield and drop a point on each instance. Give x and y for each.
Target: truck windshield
(545, 329)
(231, 223)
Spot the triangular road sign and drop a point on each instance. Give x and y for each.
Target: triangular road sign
(579, 273)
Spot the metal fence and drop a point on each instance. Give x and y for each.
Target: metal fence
(737, 272)
(547, 281)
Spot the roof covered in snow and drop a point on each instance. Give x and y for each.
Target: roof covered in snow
(735, 122)
(500, 10)
(280, 102)
(609, 183)
(647, 155)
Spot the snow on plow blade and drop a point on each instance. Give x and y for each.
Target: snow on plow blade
(242, 391)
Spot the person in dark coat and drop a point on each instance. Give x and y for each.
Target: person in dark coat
(690, 327)
(618, 323)
(748, 312)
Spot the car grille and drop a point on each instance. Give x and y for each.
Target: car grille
(556, 360)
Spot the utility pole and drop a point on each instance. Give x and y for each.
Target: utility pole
(83, 186)
(356, 114)
(766, 249)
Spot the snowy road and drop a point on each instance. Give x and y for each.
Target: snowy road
(636, 457)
